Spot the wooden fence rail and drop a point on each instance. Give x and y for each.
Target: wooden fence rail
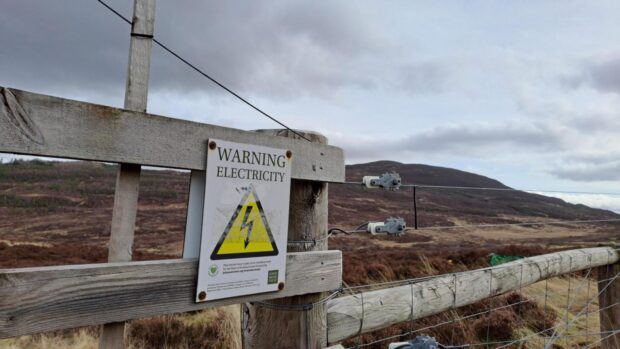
(382, 308)
(34, 300)
(35, 124)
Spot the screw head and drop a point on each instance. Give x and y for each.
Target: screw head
(281, 286)
(212, 145)
(289, 154)
(202, 295)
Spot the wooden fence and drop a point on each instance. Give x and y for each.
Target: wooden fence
(35, 300)
(352, 315)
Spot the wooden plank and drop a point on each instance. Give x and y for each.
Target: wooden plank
(34, 300)
(128, 179)
(120, 247)
(193, 219)
(124, 213)
(37, 124)
(273, 328)
(386, 307)
(609, 296)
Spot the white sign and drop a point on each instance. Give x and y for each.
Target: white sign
(245, 220)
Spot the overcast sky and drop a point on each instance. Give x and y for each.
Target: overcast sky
(526, 92)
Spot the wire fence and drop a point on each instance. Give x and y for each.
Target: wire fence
(535, 316)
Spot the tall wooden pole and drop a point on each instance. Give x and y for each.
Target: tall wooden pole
(128, 178)
(275, 328)
(609, 296)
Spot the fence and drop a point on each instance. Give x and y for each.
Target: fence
(35, 300)
(409, 300)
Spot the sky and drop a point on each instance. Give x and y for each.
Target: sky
(526, 92)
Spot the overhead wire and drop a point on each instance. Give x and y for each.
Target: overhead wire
(201, 72)
(531, 191)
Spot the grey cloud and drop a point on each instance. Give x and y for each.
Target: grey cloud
(603, 75)
(584, 172)
(275, 49)
(476, 139)
(423, 77)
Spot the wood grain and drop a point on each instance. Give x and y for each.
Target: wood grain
(34, 300)
(128, 179)
(272, 328)
(78, 130)
(608, 298)
(383, 308)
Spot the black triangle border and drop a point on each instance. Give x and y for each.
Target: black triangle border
(215, 256)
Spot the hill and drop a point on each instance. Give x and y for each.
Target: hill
(446, 207)
(65, 208)
(59, 213)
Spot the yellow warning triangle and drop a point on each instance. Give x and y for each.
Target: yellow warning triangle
(247, 233)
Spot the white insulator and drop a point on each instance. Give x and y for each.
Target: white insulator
(367, 181)
(374, 228)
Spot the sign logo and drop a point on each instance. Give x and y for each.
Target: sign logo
(213, 270)
(247, 233)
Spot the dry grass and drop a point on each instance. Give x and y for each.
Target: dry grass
(214, 328)
(59, 213)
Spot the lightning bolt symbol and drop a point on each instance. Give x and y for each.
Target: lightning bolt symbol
(249, 225)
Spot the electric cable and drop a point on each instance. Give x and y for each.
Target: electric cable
(201, 72)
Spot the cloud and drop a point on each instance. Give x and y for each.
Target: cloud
(423, 77)
(605, 76)
(276, 49)
(602, 74)
(464, 139)
(589, 172)
(602, 201)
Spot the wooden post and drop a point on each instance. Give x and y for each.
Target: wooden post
(274, 328)
(609, 296)
(128, 179)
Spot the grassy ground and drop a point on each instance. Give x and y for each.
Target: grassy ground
(214, 328)
(52, 214)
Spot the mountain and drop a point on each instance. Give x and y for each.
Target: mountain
(60, 212)
(352, 204)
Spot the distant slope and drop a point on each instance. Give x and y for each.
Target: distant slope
(52, 212)
(423, 174)
(353, 204)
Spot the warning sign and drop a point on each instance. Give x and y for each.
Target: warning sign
(245, 220)
(247, 234)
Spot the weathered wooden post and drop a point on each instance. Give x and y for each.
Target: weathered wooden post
(609, 296)
(277, 328)
(128, 179)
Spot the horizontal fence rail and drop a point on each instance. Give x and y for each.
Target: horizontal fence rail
(34, 300)
(347, 316)
(35, 124)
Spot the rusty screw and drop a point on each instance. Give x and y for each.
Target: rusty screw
(212, 145)
(202, 295)
(281, 286)
(289, 154)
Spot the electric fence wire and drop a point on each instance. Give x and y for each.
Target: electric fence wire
(298, 307)
(508, 343)
(331, 232)
(586, 307)
(484, 225)
(555, 334)
(389, 284)
(201, 72)
(456, 187)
